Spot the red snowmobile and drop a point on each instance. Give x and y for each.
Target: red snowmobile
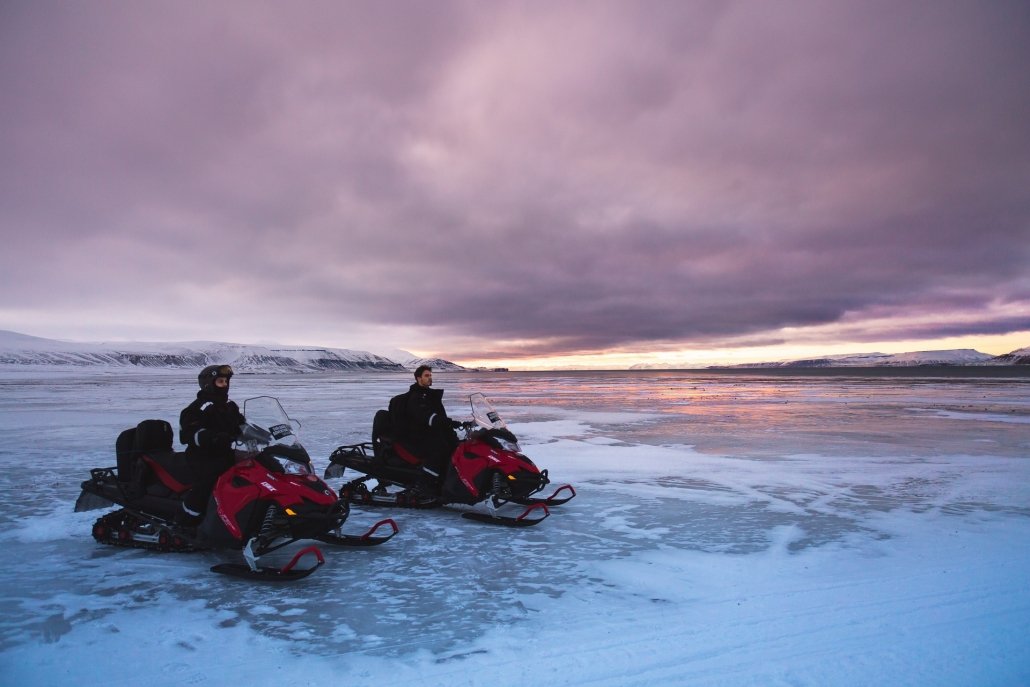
(269, 499)
(487, 468)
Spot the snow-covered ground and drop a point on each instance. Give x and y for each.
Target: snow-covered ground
(729, 530)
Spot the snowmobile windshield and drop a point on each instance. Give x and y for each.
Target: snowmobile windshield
(484, 413)
(267, 412)
(269, 431)
(487, 417)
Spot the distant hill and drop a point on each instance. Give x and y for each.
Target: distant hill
(411, 361)
(1017, 357)
(20, 350)
(956, 357)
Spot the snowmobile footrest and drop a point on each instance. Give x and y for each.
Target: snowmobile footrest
(287, 573)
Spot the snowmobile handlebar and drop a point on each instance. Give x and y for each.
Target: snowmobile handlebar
(249, 432)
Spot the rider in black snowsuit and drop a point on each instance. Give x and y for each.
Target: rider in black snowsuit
(423, 425)
(208, 427)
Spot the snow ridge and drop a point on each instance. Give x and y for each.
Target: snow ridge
(22, 350)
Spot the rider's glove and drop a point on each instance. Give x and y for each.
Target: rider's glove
(222, 440)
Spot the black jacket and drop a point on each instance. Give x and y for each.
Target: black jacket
(210, 424)
(422, 412)
(420, 421)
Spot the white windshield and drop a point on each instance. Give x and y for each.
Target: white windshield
(268, 432)
(484, 413)
(266, 412)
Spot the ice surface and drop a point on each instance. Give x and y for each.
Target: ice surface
(728, 531)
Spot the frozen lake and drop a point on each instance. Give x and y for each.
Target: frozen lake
(730, 529)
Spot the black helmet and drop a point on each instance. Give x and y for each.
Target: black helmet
(208, 374)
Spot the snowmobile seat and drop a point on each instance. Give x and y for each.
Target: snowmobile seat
(154, 445)
(385, 447)
(167, 472)
(148, 464)
(405, 456)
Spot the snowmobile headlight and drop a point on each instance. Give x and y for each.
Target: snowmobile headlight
(294, 468)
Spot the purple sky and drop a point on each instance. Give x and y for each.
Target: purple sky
(501, 179)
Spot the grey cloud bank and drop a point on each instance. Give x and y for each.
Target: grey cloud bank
(512, 179)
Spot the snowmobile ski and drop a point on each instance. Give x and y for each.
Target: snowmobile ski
(287, 573)
(365, 539)
(551, 500)
(508, 521)
(356, 491)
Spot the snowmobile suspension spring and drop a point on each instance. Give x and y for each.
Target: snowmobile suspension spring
(270, 514)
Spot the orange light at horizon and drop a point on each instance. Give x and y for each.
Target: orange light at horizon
(697, 358)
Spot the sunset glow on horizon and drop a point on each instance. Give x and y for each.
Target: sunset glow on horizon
(687, 358)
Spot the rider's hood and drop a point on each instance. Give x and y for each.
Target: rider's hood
(427, 390)
(214, 394)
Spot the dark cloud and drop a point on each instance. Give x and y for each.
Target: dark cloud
(529, 181)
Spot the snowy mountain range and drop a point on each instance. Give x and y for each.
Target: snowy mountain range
(961, 356)
(23, 350)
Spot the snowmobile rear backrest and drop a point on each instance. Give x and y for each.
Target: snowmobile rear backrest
(398, 413)
(149, 436)
(153, 436)
(123, 449)
(382, 426)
